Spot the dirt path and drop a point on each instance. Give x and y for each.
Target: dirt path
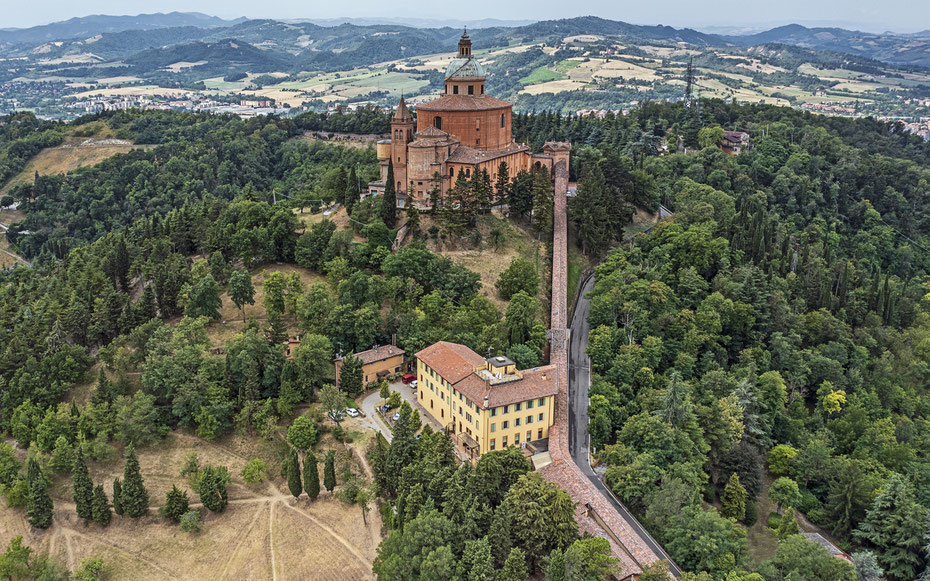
(344, 541)
(243, 538)
(274, 568)
(135, 554)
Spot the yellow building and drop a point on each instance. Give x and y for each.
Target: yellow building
(485, 404)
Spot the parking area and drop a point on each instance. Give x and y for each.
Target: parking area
(371, 405)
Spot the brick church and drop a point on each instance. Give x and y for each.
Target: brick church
(463, 130)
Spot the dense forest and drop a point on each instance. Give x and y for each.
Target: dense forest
(768, 346)
(772, 337)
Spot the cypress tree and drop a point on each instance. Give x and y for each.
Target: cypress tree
(734, 499)
(389, 201)
(311, 476)
(117, 496)
(329, 471)
(39, 503)
(134, 497)
(293, 473)
(212, 488)
(351, 193)
(83, 487)
(101, 507)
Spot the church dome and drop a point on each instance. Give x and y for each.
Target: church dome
(465, 68)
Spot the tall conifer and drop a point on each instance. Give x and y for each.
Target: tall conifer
(311, 476)
(134, 497)
(83, 487)
(329, 471)
(101, 507)
(293, 473)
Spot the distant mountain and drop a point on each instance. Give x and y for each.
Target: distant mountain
(601, 26)
(419, 22)
(223, 56)
(90, 26)
(886, 47)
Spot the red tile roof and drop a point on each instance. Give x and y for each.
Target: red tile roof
(379, 354)
(464, 103)
(456, 364)
(465, 154)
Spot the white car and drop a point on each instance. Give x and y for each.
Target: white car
(396, 416)
(352, 412)
(413, 384)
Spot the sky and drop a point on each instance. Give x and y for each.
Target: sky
(897, 15)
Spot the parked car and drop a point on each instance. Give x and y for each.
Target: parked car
(408, 378)
(396, 416)
(413, 384)
(352, 412)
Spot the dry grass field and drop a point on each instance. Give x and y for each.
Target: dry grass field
(264, 533)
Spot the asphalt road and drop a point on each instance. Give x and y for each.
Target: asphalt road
(579, 380)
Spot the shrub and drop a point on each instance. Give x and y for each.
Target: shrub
(773, 521)
(190, 521)
(752, 514)
(303, 433)
(780, 458)
(254, 472)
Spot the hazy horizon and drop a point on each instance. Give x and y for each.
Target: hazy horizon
(893, 15)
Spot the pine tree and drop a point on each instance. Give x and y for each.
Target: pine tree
(212, 488)
(83, 487)
(896, 526)
(350, 375)
(389, 200)
(515, 568)
(542, 202)
(311, 476)
(734, 499)
(176, 504)
(100, 507)
(293, 473)
(502, 184)
(134, 498)
(39, 504)
(117, 496)
(329, 471)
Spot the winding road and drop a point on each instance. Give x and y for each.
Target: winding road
(579, 380)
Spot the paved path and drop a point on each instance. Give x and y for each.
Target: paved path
(578, 437)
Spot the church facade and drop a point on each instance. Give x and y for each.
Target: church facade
(461, 132)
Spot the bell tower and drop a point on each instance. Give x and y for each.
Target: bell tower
(401, 135)
(465, 45)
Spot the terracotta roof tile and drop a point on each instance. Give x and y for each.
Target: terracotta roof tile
(464, 103)
(379, 354)
(465, 154)
(456, 364)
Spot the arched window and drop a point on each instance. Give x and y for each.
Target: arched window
(467, 173)
(451, 172)
(399, 187)
(502, 121)
(437, 122)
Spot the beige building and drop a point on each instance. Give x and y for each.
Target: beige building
(377, 362)
(485, 404)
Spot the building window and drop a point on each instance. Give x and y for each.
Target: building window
(481, 88)
(442, 413)
(366, 379)
(505, 425)
(478, 141)
(517, 407)
(529, 419)
(539, 434)
(516, 438)
(492, 443)
(471, 89)
(506, 408)
(541, 417)
(529, 435)
(516, 421)
(529, 405)
(493, 427)
(430, 404)
(504, 441)
(437, 122)
(542, 401)
(455, 89)
(493, 412)
(502, 120)
(467, 172)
